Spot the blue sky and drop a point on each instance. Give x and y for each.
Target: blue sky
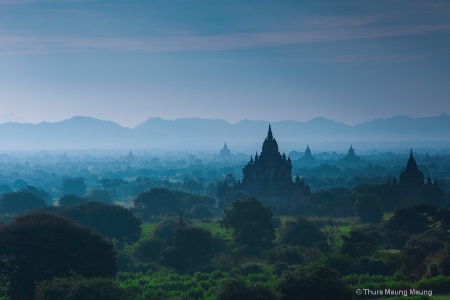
(126, 61)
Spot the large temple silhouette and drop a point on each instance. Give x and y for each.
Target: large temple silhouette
(411, 176)
(268, 177)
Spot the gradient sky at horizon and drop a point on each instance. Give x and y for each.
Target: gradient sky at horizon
(127, 61)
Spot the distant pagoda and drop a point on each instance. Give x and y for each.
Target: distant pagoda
(411, 176)
(268, 177)
(225, 153)
(308, 157)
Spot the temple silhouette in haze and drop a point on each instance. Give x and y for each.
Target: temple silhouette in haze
(268, 177)
(411, 176)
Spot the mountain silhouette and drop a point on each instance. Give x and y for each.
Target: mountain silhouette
(205, 134)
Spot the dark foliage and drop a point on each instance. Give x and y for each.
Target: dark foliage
(388, 195)
(40, 193)
(100, 196)
(291, 255)
(112, 221)
(41, 246)
(357, 244)
(250, 221)
(368, 208)
(191, 200)
(156, 202)
(237, 289)
(443, 261)
(322, 283)
(190, 247)
(165, 230)
(73, 186)
(366, 265)
(148, 250)
(194, 243)
(201, 211)
(20, 202)
(68, 200)
(303, 233)
(335, 202)
(414, 220)
(78, 287)
(339, 262)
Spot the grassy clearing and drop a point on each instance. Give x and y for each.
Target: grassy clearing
(213, 226)
(215, 229)
(147, 229)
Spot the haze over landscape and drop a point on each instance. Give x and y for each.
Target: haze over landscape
(351, 62)
(245, 150)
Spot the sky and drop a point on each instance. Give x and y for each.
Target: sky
(126, 61)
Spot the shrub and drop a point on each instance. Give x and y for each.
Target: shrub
(320, 283)
(237, 289)
(78, 287)
(439, 284)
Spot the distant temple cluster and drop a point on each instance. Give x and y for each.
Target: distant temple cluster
(268, 176)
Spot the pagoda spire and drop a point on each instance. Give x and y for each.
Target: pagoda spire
(269, 134)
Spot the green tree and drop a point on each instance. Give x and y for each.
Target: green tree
(68, 200)
(245, 214)
(77, 287)
(195, 244)
(201, 211)
(320, 283)
(41, 246)
(20, 202)
(304, 233)
(238, 289)
(40, 193)
(413, 220)
(192, 185)
(100, 196)
(368, 208)
(155, 202)
(73, 186)
(114, 222)
(191, 200)
(357, 244)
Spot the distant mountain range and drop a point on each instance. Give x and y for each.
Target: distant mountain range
(203, 134)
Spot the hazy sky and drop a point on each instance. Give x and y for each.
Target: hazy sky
(126, 61)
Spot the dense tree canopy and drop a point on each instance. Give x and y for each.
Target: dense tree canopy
(40, 246)
(68, 200)
(249, 217)
(322, 283)
(303, 232)
(20, 202)
(112, 221)
(368, 208)
(100, 196)
(194, 243)
(156, 202)
(73, 186)
(414, 220)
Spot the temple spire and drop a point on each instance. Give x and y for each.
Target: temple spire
(269, 134)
